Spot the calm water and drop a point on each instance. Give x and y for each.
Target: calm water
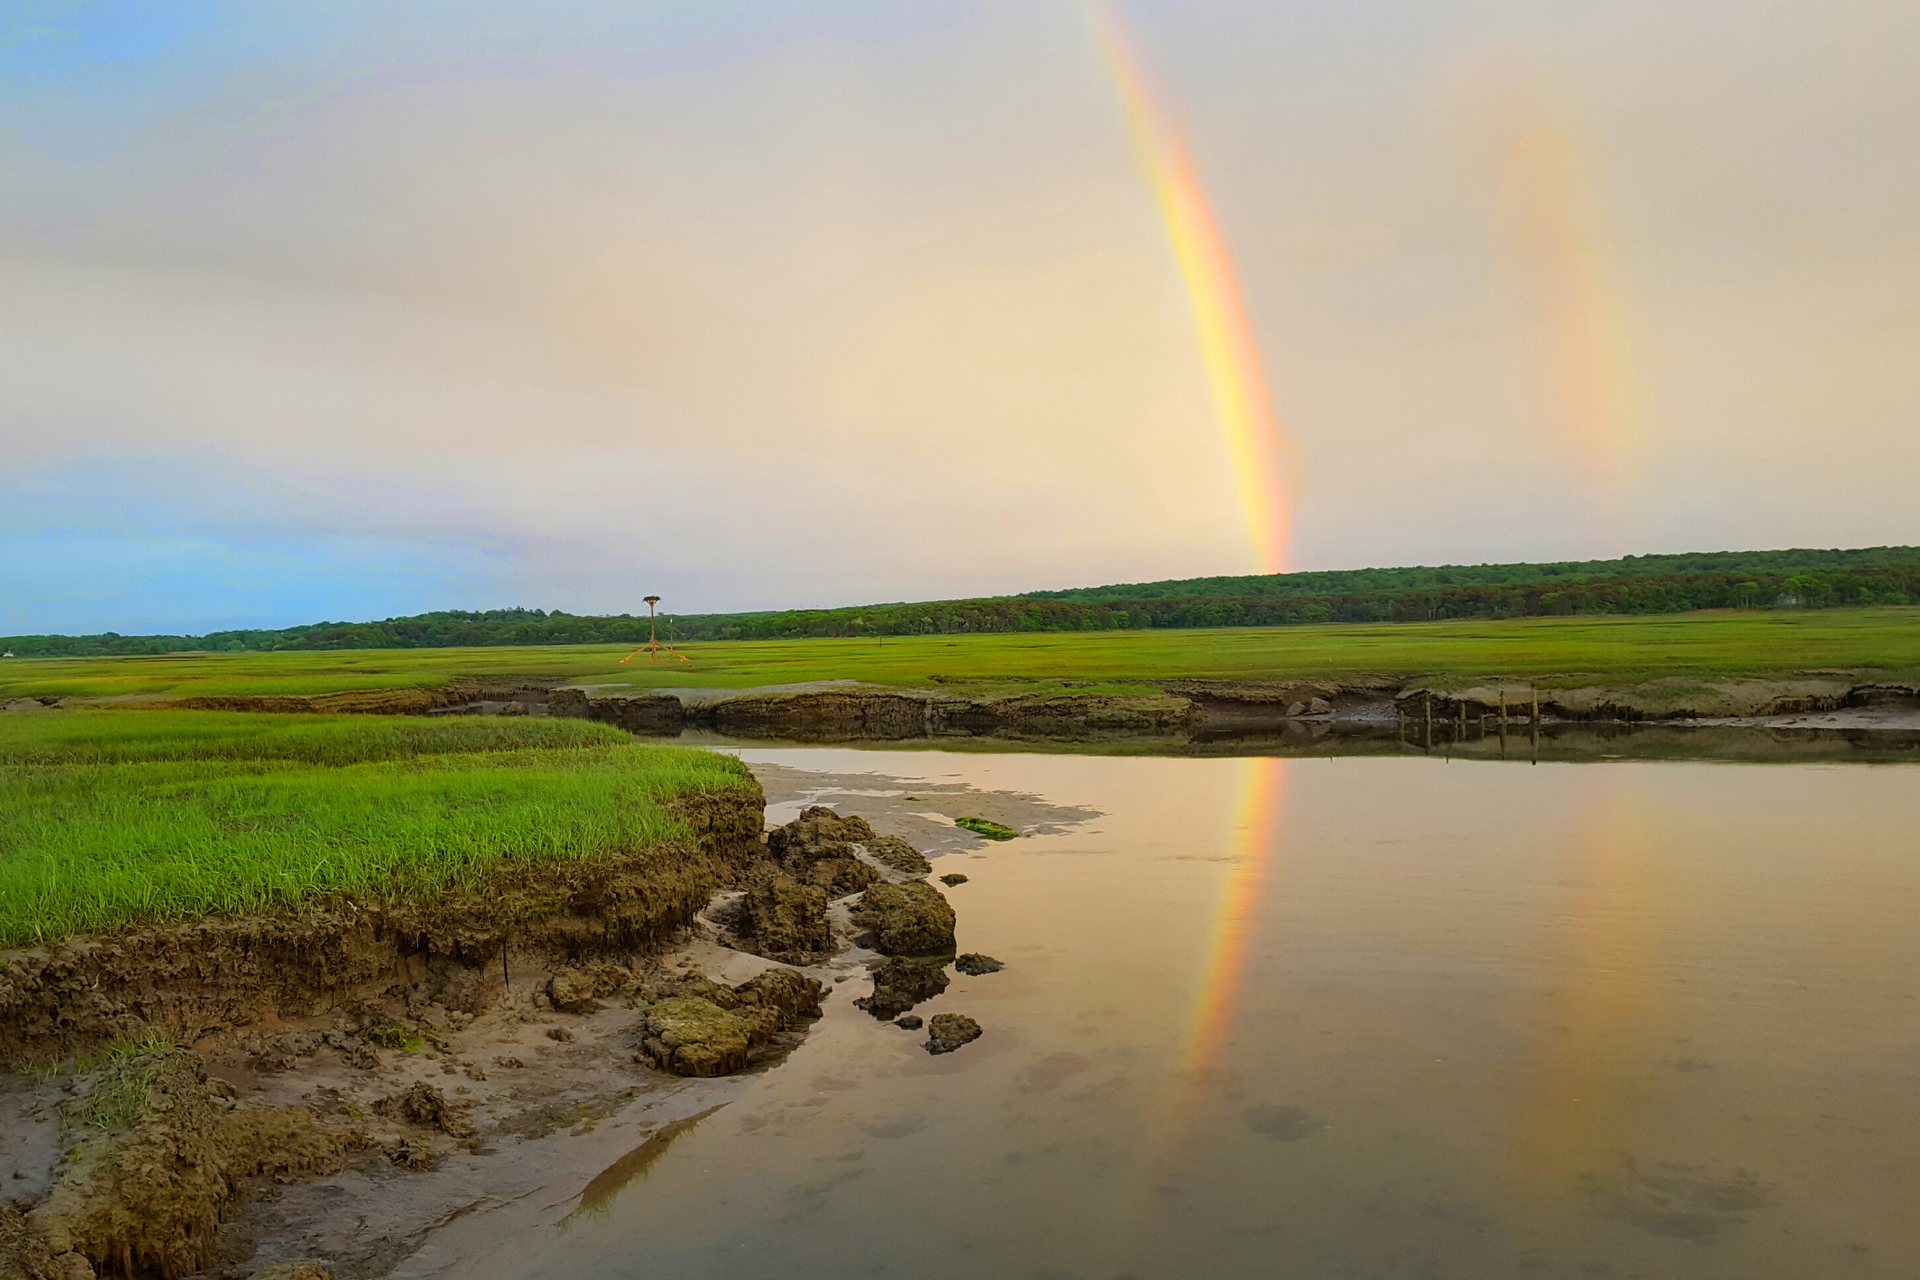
(1358, 1017)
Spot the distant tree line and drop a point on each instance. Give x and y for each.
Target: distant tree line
(1747, 565)
(1881, 575)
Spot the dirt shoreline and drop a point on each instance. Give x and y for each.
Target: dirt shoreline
(343, 1082)
(846, 710)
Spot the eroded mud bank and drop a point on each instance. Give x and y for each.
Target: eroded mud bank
(208, 976)
(162, 1073)
(844, 710)
(318, 1095)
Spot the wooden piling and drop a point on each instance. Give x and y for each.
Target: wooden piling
(1533, 724)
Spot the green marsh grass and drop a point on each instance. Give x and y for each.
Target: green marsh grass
(115, 817)
(1547, 649)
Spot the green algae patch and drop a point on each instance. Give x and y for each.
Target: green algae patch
(115, 818)
(986, 828)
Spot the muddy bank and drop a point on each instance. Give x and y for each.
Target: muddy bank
(202, 977)
(164, 1054)
(1200, 708)
(844, 710)
(877, 713)
(319, 1095)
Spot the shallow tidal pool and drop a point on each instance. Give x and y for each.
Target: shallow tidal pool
(1381, 1017)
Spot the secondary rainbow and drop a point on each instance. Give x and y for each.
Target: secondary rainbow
(1253, 439)
(1582, 325)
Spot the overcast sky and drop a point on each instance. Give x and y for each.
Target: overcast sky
(344, 311)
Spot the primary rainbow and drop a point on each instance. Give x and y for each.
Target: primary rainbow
(1253, 438)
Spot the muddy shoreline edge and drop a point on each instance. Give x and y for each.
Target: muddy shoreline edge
(1175, 708)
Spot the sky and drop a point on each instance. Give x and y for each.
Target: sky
(354, 310)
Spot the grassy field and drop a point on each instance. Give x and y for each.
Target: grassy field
(111, 817)
(1578, 649)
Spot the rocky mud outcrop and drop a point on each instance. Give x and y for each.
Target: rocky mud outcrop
(893, 852)
(818, 849)
(702, 1028)
(911, 919)
(900, 983)
(949, 1031)
(783, 919)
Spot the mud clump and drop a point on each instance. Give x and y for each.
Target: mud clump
(816, 848)
(146, 1195)
(910, 919)
(785, 919)
(703, 1028)
(952, 878)
(909, 1022)
(973, 964)
(427, 1107)
(818, 833)
(25, 1254)
(572, 992)
(579, 990)
(900, 984)
(838, 877)
(693, 1037)
(285, 1051)
(949, 1031)
(896, 853)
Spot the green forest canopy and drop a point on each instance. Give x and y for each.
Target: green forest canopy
(1800, 578)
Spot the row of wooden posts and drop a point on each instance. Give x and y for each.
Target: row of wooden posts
(1533, 718)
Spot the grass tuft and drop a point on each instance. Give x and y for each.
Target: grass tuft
(122, 1089)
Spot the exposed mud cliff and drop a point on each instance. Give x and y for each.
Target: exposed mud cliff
(1175, 707)
(1670, 698)
(204, 976)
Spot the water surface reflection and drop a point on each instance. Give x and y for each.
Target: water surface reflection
(1358, 1016)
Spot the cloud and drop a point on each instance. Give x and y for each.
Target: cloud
(369, 309)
